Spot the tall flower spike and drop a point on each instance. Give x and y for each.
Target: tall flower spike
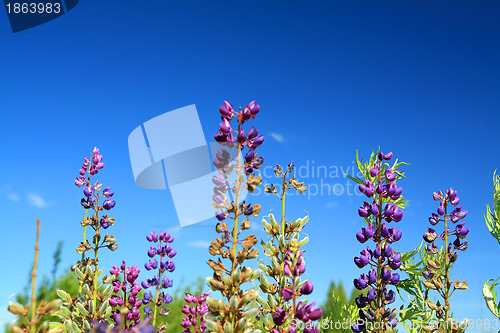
(439, 262)
(280, 312)
(228, 279)
(161, 255)
(86, 270)
(384, 206)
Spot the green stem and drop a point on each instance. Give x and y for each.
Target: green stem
(96, 250)
(283, 208)
(282, 254)
(446, 274)
(85, 228)
(125, 298)
(33, 279)
(157, 291)
(236, 226)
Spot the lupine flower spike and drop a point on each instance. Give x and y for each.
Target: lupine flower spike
(439, 262)
(130, 289)
(80, 312)
(234, 315)
(280, 312)
(159, 282)
(384, 206)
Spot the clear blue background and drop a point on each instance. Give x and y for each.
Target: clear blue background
(418, 78)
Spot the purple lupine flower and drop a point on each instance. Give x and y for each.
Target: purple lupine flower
(280, 317)
(225, 136)
(107, 193)
(194, 313)
(108, 204)
(165, 252)
(130, 289)
(307, 288)
(448, 254)
(383, 258)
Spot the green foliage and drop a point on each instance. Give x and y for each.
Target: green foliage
(492, 219)
(47, 291)
(492, 216)
(417, 311)
(339, 311)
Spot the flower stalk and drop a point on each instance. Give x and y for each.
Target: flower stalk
(379, 185)
(234, 316)
(280, 312)
(439, 262)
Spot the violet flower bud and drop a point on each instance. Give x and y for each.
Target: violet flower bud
(360, 284)
(434, 219)
(389, 175)
(280, 317)
(253, 108)
(88, 203)
(108, 204)
(367, 188)
(368, 232)
(397, 235)
(460, 246)
(88, 191)
(372, 277)
(307, 288)
(371, 294)
(107, 193)
(361, 237)
(252, 133)
(287, 294)
(253, 144)
(386, 274)
(225, 127)
(382, 156)
(241, 136)
(249, 157)
(441, 208)
(461, 231)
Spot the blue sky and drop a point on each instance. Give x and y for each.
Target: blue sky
(420, 80)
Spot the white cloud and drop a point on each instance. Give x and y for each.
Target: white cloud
(278, 137)
(203, 244)
(13, 196)
(37, 201)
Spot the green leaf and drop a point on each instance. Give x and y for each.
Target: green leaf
(489, 295)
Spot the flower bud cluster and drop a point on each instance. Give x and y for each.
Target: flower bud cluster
(194, 313)
(294, 267)
(165, 252)
(129, 300)
(223, 160)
